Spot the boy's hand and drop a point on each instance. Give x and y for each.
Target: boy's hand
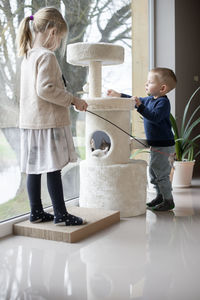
(113, 93)
(80, 104)
(137, 101)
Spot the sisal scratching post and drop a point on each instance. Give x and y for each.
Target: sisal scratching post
(97, 219)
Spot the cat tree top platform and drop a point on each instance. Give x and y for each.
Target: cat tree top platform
(83, 54)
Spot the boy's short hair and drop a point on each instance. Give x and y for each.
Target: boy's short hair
(166, 76)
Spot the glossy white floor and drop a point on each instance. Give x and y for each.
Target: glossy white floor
(152, 257)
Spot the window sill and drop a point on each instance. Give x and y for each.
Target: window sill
(6, 228)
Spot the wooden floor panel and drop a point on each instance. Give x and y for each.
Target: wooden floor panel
(97, 219)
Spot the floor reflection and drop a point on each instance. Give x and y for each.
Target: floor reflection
(152, 257)
(117, 262)
(32, 272)
(173, 249)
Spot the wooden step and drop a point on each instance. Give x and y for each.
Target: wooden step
(97, 219)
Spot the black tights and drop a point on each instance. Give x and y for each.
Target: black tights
(55, 189)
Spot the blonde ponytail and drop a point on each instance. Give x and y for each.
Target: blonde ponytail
(44, 19)
(24, 37)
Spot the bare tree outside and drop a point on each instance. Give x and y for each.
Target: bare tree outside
(88, 20)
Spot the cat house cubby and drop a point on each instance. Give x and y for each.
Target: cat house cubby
(100, 144)
(110, 179)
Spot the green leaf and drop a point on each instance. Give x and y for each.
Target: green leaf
(186, 109)
(189, 152)
(192, 116)
(187, 132)
(138, 151)
(197, 154)
(184, 145)
(174, 126)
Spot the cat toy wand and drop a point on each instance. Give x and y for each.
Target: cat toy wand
(146, 146)
(91, 112)
(170, 156)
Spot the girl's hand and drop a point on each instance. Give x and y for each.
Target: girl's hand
(80, 104)
(113, 93)
(137, 101)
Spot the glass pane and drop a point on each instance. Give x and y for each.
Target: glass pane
(10, 180)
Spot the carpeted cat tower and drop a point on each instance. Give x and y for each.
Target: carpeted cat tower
(112, 181)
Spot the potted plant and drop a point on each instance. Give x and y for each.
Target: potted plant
(185, 144)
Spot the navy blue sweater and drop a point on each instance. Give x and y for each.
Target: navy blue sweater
(157, 125)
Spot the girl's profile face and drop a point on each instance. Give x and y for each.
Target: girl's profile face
(54, 40)
(57, 43)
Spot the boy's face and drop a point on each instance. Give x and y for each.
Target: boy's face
(153, 86)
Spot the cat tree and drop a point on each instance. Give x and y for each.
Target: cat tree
(112, 181)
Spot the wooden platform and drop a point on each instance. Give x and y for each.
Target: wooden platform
(97, 219)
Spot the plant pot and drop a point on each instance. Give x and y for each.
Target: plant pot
(183, 171)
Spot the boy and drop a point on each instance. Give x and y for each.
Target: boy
(155, 110)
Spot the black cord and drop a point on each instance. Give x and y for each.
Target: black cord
(152, 149)
(91, 112)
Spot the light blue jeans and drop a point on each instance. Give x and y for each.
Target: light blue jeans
(159, 170)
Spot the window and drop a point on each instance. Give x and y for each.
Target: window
(142, 50)
(89, 21)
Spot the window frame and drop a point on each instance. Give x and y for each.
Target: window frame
(6, 227)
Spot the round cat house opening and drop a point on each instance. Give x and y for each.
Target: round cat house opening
(100, 143)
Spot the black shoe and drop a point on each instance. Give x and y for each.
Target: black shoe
(69, 220)
(166, 205)
(156, 201)
(40, 216)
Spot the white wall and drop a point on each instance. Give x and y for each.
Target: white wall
(187, 59)
(164, 37)
(177, 46)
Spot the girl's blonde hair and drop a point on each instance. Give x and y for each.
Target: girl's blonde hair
(44, 19)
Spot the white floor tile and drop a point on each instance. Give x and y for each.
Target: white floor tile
(151, 257)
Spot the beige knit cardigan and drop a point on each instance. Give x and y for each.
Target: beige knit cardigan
(44, 100)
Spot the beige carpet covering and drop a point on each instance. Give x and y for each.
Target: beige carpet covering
(97, 219)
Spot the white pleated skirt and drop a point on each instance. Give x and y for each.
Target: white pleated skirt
(46, 150)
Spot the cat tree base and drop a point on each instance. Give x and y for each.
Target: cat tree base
(114, 187)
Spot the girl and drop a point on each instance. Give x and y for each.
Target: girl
(46, 140)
